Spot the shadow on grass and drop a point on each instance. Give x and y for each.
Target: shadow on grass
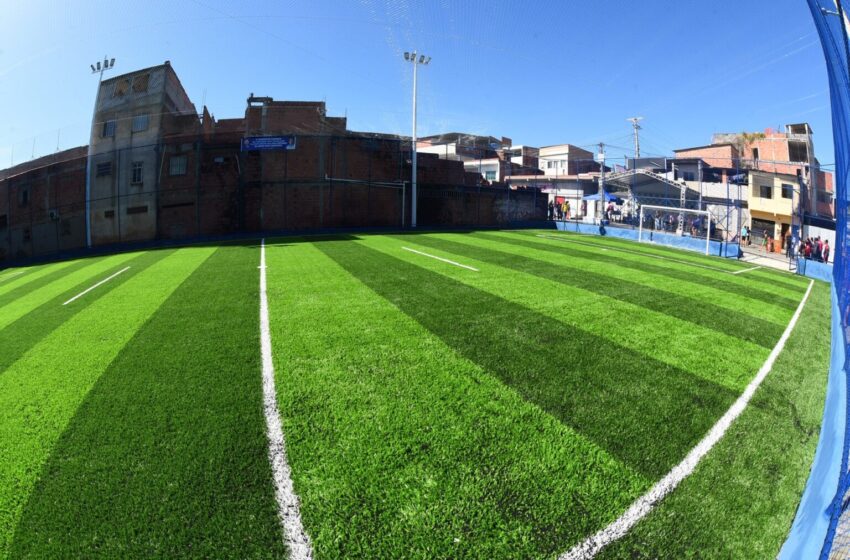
(644, 412)
(696, 311)
(585, 252)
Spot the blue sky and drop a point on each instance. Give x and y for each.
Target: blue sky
(539, 72)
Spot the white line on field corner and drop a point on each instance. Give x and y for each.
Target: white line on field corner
(11, 274)
(288, 507)
(643, 254)
(645, 504)
(746, 270)
(104, 281)
(441, 259)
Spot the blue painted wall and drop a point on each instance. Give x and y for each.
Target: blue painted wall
(716, 248)
(813, 514)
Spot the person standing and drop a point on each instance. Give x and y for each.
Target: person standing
(551, 210)
(764, 241)
(826, 251)
(567, 206)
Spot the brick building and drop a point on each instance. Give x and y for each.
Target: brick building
(159, 170)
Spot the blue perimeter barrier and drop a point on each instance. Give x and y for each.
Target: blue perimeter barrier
(814, 269)
(816, 527)
(814, 513)
(716, 248)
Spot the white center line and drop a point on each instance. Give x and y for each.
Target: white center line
(441, 259)
(288, 507)
(104, 281)
(746, 270)
(645, 504)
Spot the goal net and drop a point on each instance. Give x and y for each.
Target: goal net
(674, 222)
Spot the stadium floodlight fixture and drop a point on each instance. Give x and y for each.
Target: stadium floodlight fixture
(422, 59)
(99, 68)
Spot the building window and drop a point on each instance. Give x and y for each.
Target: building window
(140, 123)
(177, 165)
(121, 87)
(104, 168)
(787, 190)
(755, 153)
(108, 129)
(137, 210)
(490, 175)
(140, 83)
(4, 221)
(24, 197)
(688, 176)
(824, 196)
(136, 176)
(765, 191)
(109, 213)
(798, 151)
(550, 164)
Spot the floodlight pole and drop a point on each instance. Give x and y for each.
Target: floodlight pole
(601, 211)
(636, 126)
(416, 60)
(99, 69)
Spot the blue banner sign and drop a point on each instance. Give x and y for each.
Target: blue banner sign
(255, 143)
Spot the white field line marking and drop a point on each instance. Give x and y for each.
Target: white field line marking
(288, 507)
(11, 274)
(645, 504)
(641, 253)
(104, 281)
(440, 259)
(746, 270)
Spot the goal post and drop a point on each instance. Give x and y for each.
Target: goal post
(679, 213)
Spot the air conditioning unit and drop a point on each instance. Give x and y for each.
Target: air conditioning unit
(54, 215)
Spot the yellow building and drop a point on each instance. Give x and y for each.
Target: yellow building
(773, 200)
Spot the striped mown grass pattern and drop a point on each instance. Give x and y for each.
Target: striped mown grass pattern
(430, 410)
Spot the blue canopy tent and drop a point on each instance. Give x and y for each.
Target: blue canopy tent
(608, 197)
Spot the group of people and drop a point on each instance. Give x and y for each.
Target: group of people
(810, 248)
(815, 249)
(559, 211)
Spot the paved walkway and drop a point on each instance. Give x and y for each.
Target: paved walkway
(770, 260)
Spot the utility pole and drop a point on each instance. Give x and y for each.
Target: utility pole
(600, 213)
(422, 59)
(699, 171)
(107, 64)
(636, 126)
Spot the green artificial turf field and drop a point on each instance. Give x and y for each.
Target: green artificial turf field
(506, 408)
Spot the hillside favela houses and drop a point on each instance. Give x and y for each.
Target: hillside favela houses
(161, 170)
(157, 169)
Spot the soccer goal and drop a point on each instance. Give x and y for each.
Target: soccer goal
(676, 221)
